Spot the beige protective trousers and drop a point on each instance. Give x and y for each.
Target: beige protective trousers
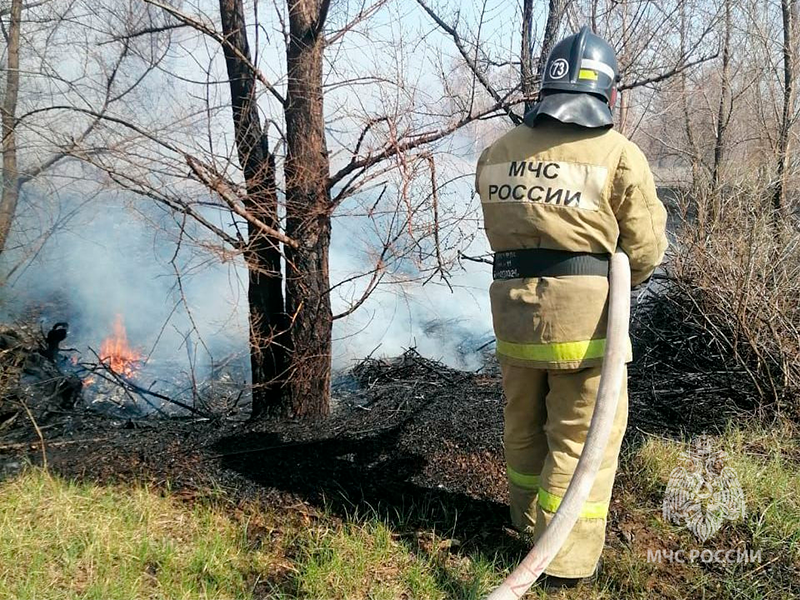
(547, 417)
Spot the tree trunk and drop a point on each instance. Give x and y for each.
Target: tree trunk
(694, 151)
(724, 103)
(526, 59)
(555, 13)
(624, 100)
(778, 197)
(10, 195)
(714, 203)
(308, 213)
(268, 323)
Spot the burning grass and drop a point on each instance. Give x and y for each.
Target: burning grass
(117, 354)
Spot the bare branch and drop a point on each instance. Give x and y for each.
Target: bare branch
(214, 34)
(217, 183)
(420, 140)
(471, 63)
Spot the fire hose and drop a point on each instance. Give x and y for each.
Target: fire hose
(611, 379)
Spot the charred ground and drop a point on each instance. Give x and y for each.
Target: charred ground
(411, 439)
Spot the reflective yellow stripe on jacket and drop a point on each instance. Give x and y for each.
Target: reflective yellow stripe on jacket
(554, 352)
(559, 187)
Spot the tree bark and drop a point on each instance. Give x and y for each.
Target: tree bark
(788, 18)
(308, 213)
(555, 13)
(526, 59)
(10, 195)
(723, 110)
(268, 323)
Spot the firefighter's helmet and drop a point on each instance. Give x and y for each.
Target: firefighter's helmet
(579, 82)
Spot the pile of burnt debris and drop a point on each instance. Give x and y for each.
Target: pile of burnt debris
(402, 421)
(681, 378)
(29, 371)
(38, 376)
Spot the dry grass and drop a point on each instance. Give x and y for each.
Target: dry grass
(737, 281)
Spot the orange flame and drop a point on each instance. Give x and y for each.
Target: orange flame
(117, 354)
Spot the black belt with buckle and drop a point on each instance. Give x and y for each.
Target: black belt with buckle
(541, 262)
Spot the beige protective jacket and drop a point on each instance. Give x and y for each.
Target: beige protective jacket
(565, 187)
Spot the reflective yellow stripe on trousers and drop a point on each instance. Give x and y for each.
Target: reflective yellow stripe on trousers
(591, 510)
(526, 482)
(551, 502)
(554, 352)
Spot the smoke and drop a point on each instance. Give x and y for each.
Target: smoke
(444, 322)
(111, 260)
(118, 255)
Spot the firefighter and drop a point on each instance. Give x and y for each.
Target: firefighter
(560, 193)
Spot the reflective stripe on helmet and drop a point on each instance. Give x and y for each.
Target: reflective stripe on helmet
(591, 510)
(554, 352)
(596, 65)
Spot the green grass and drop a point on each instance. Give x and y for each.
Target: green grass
(59, 539)
(62, 540)
(767, 463)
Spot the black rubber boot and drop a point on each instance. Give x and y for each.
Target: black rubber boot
(553, 583)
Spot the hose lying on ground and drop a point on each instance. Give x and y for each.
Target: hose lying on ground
(611, 379)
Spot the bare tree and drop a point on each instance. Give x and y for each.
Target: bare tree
(788, 17)
(283, 184)
(555, 15)
(724, 110)
(692, 151)
(531, 75)
(308, 210)
(8, 201)
(526, 56)
(642, 33)
(67, 61)
(268, 324)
